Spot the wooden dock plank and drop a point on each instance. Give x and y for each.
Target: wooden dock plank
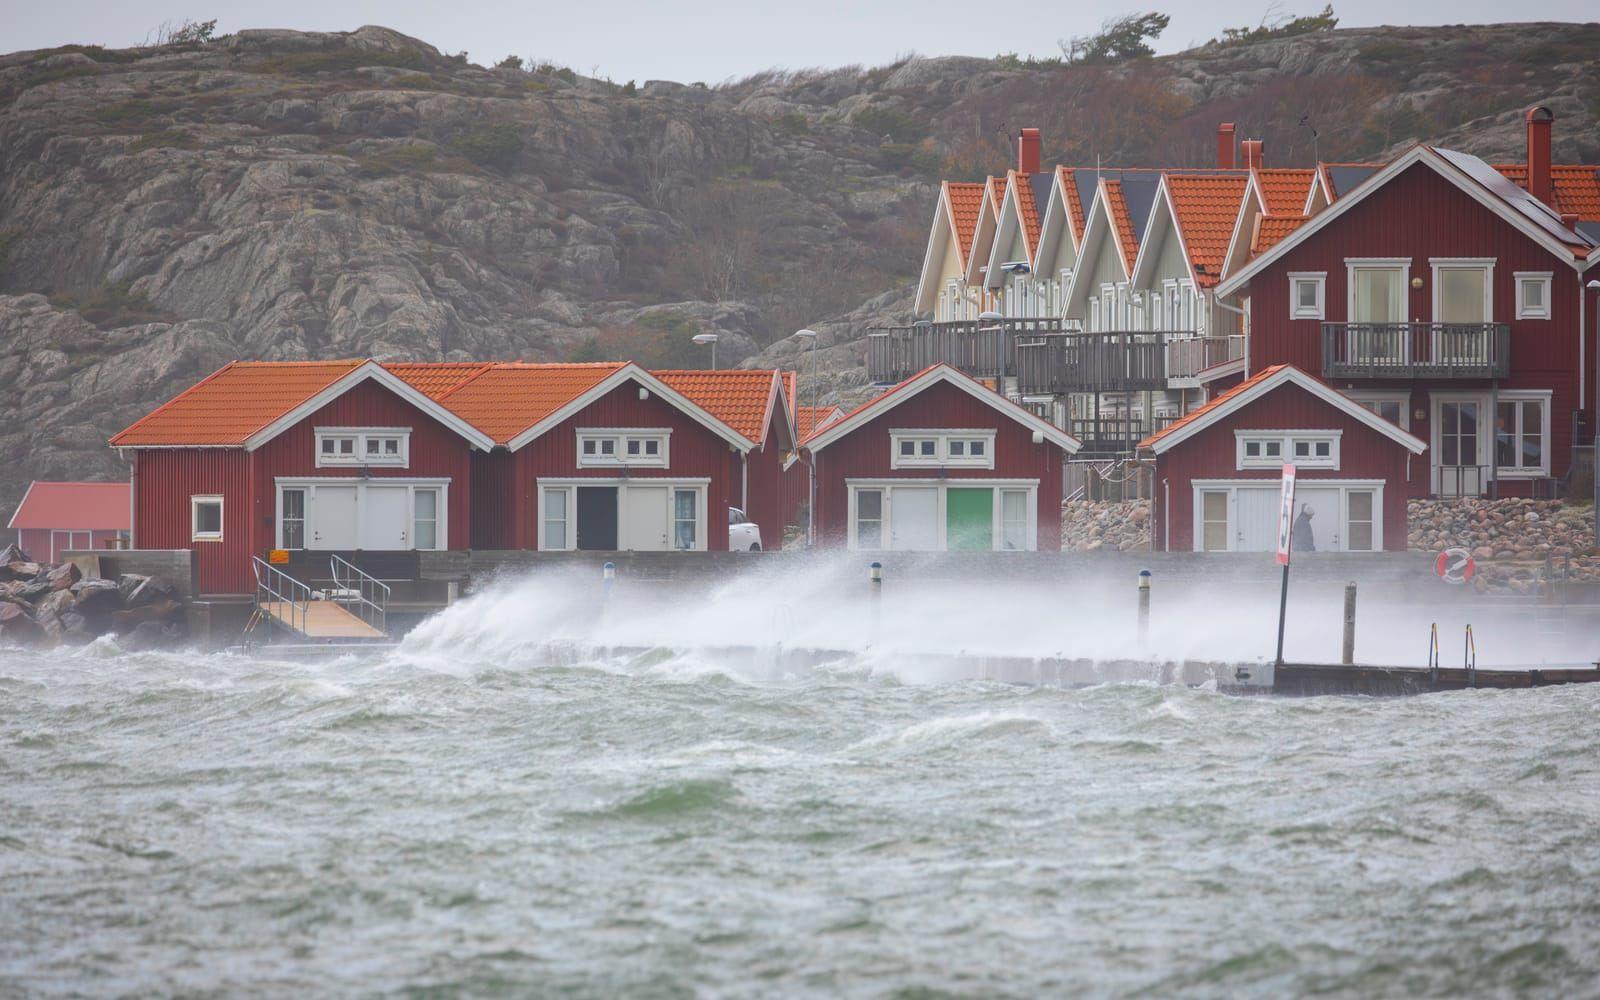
(322, 620)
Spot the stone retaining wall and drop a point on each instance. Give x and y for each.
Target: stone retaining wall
(1510, 539)
(1112, 525)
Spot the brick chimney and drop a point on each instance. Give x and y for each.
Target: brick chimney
(1570, 220)
(1253, 156)
(1539, 121)
(1225, 146)
(1028, 151)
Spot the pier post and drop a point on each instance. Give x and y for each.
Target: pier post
(875, 582)
(1144, 607)
(1349, 655)
(608, 579)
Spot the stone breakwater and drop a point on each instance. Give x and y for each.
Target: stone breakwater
(1105, 525)
(1511, 538)
(43, 605)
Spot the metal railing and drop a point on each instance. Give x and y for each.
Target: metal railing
(359, 593)
(1416, 350)
(1112, 361)
(1115, 435)
(289, 598)
(1461, 480)
(1187, 357)
(980, 348)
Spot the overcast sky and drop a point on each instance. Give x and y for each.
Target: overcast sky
(713, 40)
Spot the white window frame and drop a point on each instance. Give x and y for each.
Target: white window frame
(361, 436)
(1401, 396)
(1317, 311)
(620, 436)
(1484, 264)
(888, 486)
(1355, 264)
(701, 486)
(1232, 486)
(195, 534)
(1525, 311)
(941, 458)
(1541, 396)
(441, 485)
(1286, 442)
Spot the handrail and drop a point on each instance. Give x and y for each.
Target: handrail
(359, 592)
(292, 597)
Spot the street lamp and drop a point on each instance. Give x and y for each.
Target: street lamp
(811, 362)
(709, 338)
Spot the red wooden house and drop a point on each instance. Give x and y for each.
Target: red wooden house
(337, 455)
(1217, 470)
(1439, 294)
(55, 517)
(939, 462)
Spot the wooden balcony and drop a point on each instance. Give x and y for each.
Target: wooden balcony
(1191, 357)
(1124, 361)
(1416, 350)
(981, 348)
(1113, 435)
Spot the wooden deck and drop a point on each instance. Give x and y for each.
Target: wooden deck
(323, 620)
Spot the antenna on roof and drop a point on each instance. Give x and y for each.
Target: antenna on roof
(1305, 122)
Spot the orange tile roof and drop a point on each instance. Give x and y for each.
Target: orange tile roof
(230, 405)
(1206, 206)
(814, 418)
(435, 379)
(1272, 228)
(996, 187)
(1074, 203)
(965, 202)
(1284, 189)
(736, 396)
(507, 399)
(1196, 414)
(1575, 188)
(1118, 208)
(1027, 208)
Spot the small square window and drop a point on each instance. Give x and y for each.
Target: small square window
(391, 446)
(608, 447)
(1306, 295)
(1302, 449)
(347, 446)
(652, 447)
(1252, 449)
(328, 445)
(206, 518)
(589, 446)
(373, 444)
(1533, 295)
(1273, 449)
(978, 448)
(925, 448)
(633, 446)
(1323, 449)
(958, 449)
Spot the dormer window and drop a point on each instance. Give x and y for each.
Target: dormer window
(934, 449)
(356, 446)
(637, 447)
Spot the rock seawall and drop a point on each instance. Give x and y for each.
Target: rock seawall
(54, 605)
(1105, 525)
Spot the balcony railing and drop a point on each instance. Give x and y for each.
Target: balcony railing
(981, 348)
(1416, 350)
(1187, 357)
(1093, 362)
(1113, 435)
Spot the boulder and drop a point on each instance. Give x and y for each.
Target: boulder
(150, 635)
(127, 621)
(96, 597)
(76, 629)
(20, 569)
(62, 577)
(17, 627)
(11, 553)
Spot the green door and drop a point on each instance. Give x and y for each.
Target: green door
(969, 519)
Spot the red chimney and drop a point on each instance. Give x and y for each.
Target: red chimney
(1253, 155)
(1028, 151)
(1539, 120)
(1570, 220)
(1225, 146)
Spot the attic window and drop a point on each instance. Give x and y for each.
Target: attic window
(1307, 295)
(933, 449)
(601, 447)
(1533, 295)
(356, 446)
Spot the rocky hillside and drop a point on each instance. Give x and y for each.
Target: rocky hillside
(278, 194)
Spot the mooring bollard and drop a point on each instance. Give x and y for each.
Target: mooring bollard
(1144, 606)
(1349, 656)
(608, 579)
(875, 582)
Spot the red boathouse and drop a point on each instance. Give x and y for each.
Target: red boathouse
(939, 462)
(55, 517)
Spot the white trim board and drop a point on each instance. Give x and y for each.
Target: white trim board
(376, 372)
(615, 380)
(1286, 375)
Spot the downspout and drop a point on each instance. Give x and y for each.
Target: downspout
(811, 499)
(1166, 514)
(133, 491)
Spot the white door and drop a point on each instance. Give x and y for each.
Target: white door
(914, 518)
(645, 518)
(385, 518)
(1326, 522)
(334, 518)
(1255, 518)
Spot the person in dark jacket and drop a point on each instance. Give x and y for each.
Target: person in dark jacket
(1301, 538)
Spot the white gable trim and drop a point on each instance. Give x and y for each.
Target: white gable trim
(1010, 226)
(1144, 262)
(987, 223)
(1055, 208)
(21, 504)
(1097, 224)
(927, 380)
(632, 372)
(389, 380)
(1317, 388)
(936, 247)
(1418, 154)
(1239, 242)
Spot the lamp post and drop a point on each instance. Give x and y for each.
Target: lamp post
(810, 336)
(997, 324)
(709, 338)
(1594, 414)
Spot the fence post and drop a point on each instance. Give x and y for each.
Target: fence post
(875, 578)
(1349, 655)
(608, 579)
